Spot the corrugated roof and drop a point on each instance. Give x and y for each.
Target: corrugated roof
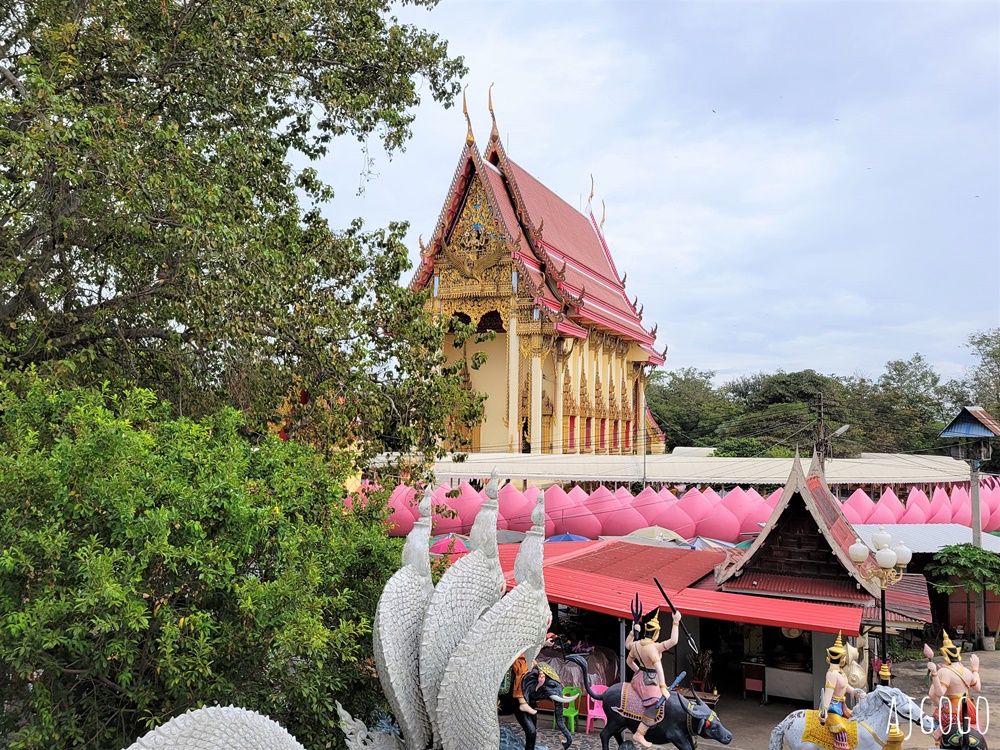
(972, 422)
(795, 587)
(926, 537)
(905, 602)
(686, 469)
(675, 567)
(566, 582)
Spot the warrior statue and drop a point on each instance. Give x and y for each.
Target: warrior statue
(643, 698)
(950, 684)
(833, 713)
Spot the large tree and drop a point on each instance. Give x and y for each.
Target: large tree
(154, 230)
(149, 565)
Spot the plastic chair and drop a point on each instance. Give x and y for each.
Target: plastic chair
(570, 710)
(595, 708)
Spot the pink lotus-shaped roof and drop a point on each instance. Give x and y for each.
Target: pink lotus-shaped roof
(754, 495)
(695, 505)
(914, 513)
(649, 504)
(558, 505)
(674, 518)
(582, 522)
(990, 498)
(444, 515)
(738, 502)
(775, 497)
(891, 501)
(468, 503)
(862, 506)
(759, 513)
(515, 509)
(919, 498)
(940, 507)
(403, 510)
(882, 514)
(961, 507)
(623, 495)
(850, 514)
(578, 494)
(711, 495)
(623, 522)
(666, 494)
(603, 504)
(720, 524)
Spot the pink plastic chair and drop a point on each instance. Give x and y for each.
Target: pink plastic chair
(595, 708)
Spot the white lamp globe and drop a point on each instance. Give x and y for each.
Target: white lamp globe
(903, 555)
(858, 551)
(885, 558)
(881, 538)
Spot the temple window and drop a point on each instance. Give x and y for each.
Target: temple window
(586, 434)
(572, 433)
(614, 435)
(604, 425)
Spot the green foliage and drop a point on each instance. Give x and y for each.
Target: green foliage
(150, 565)
(967, 567)
(686, 405)
(750, 448)
(154, 231)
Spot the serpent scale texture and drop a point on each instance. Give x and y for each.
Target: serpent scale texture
(218, 728)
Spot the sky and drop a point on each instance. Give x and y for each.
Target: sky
(788, 185)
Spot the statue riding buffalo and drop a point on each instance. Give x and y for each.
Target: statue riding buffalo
(683, 719)
(549, 689)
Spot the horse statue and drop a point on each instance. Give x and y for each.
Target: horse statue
(868, 727)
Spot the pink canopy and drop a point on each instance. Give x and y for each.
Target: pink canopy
(449, 544)
(738, 502)
(581, 522)
(775, 497)
(881, 514)
(759, 513)
(674, 518)
(712, 496)
(558, 505)
(961, 507)
(754, 495)
(648, 503)
(603, 504)
(914, 513)
(578, 494)
(991, 498)
(720, 524)
(850, 514)
(862, 505)
(667, 494)
(403, 507)
(940, 507)
(918, 497)
(890, 500)
(623, 522)
(695, 505)
(515, 509)
(624, 496)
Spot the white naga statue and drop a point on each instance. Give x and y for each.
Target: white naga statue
(441, 652)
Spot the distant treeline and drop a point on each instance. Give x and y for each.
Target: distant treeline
(768, 414)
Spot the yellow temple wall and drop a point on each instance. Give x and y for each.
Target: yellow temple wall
(490, 379)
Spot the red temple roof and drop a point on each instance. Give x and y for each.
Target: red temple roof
(564, 258)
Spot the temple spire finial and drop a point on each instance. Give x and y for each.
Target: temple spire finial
(591, 196)
(604, 215)
(494, 133)
(469, 138)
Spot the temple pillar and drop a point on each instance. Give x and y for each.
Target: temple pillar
(557, 404)
(640, 418)
(513, 393)
(535, 422)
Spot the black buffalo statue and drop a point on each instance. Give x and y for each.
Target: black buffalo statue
(550, 689)
(683, 720)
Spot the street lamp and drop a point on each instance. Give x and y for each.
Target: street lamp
(891, 561)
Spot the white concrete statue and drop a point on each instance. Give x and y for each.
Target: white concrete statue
(218, 728)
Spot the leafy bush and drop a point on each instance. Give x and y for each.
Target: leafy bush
(150, 565)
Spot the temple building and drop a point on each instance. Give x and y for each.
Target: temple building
(567, 369)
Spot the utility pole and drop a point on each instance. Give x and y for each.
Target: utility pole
(976, 428)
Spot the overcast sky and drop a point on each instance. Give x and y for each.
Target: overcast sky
(789, 185)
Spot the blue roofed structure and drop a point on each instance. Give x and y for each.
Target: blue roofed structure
(972, 422)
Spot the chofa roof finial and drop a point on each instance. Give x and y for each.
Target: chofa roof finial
(494, 133)
(604, 215)
(469, 138)
(591, 196)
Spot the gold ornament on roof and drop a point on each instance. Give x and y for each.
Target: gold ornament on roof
(469, 138)
(494, 133)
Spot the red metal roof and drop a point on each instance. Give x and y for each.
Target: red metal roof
(571, 578)
(906, 601)
(821, 589)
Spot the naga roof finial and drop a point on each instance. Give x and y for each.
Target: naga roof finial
(591, 196)
(494, 133)
(624, 278)
(469, 138)
(604, 215)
